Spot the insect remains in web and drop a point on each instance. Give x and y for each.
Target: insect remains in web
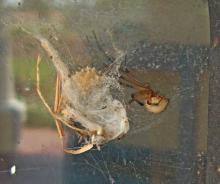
(84, 103)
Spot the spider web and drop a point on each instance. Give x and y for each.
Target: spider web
(151, 152)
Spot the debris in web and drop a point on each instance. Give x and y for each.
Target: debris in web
(87, 102)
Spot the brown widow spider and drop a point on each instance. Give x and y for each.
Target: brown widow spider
(144, 95)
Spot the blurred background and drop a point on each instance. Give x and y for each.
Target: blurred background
(167, 45)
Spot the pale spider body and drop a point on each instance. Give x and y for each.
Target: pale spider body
(87, 100)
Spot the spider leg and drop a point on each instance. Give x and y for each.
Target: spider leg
(57, 105)
(134, 99)
(83, 149)
(125, 83)
(133, 95)
(129, 78)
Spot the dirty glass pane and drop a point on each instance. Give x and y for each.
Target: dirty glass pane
(145, 49)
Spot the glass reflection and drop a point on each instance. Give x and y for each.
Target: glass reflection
(164, 47)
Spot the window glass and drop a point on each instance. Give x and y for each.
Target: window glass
(142, 50)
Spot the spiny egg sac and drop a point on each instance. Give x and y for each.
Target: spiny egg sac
(86, 79)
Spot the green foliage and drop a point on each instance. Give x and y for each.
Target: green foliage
(25, 85)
